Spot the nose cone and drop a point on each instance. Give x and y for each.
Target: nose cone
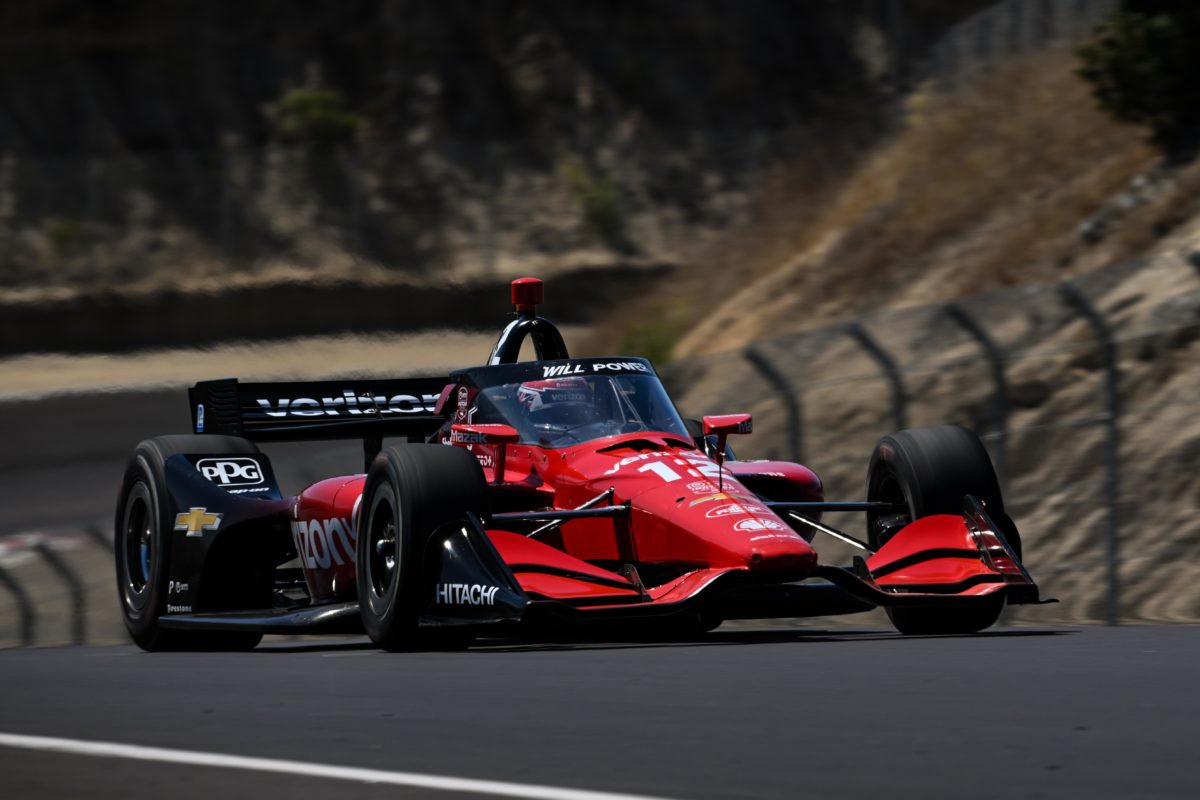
(785, 551)
(733, 528)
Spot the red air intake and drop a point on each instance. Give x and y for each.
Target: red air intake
(527, 293)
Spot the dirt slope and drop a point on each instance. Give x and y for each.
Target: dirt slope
(983, 190)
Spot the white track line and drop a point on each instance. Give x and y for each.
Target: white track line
(221, 760)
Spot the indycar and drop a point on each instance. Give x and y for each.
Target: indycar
(535, 498)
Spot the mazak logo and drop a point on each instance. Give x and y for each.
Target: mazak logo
(231, 471)
(755, 525)
(350, 403)
(468, 437)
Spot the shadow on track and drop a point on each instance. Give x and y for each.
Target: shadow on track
(717, 638)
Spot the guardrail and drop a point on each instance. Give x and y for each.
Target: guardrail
(47, 548)
(1017, 359)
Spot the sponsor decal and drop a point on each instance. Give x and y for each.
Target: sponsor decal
(485, 460)
(467, 437)
(704, 466)
(250, 491)
(200, 418)
(464, 401)
(465, 594)
(729, 510)
(322, 543)
(348, 402)
(560, 370)
(176, 587)
(196, 520)
(787, 536)
(702, 487)
(709, 499)
(231, 471)
(756, 524)
(179, 609)
(625, 462)
(693, 464)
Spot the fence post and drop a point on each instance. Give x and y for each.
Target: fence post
(995, 357)
(96, 533)
(891, 369)
(790, 396)
(24, 606)
(74, 587)
(1076, 299)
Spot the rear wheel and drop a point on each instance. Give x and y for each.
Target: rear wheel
(411, 492)
(142, 545)
(929, 471)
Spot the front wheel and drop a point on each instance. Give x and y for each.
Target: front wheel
(142, 545)
(411, 491)
(930, 471)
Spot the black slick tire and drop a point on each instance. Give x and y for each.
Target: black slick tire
(930, 470)
(142, 545)
(411, 491)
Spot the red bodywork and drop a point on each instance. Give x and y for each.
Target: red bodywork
(690, 518)
(681, 521)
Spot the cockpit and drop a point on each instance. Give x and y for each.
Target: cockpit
(564, 403)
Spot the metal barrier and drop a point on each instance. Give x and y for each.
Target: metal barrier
(1108, 349)
(42, 546)
(1028, 342)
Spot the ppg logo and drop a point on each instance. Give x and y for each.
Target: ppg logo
(231, 471)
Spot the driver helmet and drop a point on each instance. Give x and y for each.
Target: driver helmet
(558, 402)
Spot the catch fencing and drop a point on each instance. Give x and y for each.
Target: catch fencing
(59, 586)
(1087, 395)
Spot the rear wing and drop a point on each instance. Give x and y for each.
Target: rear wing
(312, 410)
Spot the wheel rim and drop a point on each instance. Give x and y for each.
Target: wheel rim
(383, 551)
(138, 538)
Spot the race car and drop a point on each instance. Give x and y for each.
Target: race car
(540, 498)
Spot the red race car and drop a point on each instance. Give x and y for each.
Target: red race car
(532, 499)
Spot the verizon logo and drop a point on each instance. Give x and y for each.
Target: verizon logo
(348, 403)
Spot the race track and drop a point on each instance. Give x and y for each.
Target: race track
(1018, 713)
(815, 712)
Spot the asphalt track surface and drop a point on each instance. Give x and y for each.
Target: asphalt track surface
(820, 713)
(1088, 712)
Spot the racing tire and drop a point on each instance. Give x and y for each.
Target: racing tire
(142, 545)
(930, 471)
(411, 491)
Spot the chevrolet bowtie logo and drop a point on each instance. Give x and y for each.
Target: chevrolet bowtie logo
(197, 520)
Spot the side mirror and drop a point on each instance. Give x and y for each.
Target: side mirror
(498, 436)
(723, 425)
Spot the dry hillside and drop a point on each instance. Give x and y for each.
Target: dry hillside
(1019, 179)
